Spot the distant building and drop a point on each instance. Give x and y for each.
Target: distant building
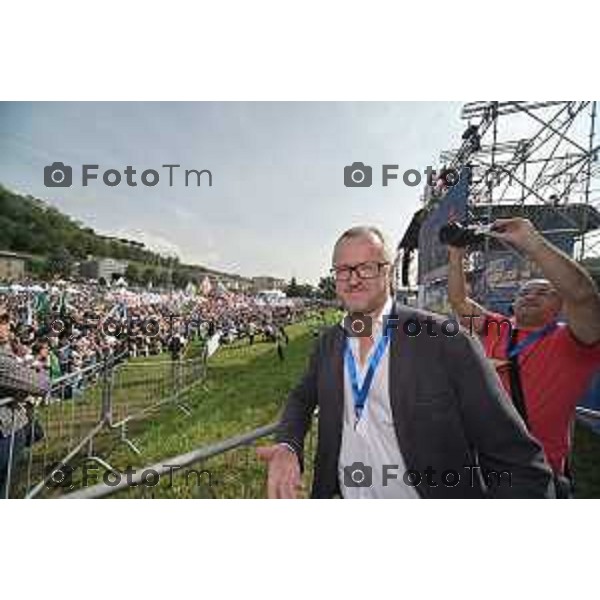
(232, 283)
(103, 268)
(12, 266)
(268, 283)
(208, 279)
(236, 283)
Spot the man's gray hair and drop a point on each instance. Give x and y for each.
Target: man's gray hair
(366, 231)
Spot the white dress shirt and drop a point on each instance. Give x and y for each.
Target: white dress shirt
(372, 440)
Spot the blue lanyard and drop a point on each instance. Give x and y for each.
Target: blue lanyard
(360, 393)
(513, 350)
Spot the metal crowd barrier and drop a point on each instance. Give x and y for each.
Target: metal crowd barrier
(47, 434)
(172, 464)
(229, 469)
(590, 418)
(141, 388)
(590, 413)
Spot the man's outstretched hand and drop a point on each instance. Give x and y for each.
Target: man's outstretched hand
(284, 480)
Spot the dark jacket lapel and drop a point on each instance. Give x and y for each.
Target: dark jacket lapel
(335, 382)
(402, 385)
(331, 414)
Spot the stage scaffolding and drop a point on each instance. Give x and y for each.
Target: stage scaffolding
(535, 159)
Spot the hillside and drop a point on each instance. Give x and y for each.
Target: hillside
(29, 225)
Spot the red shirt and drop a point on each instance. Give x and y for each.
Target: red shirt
(555, 373)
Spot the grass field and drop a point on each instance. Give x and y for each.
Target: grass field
(586, 463)
(245, 389)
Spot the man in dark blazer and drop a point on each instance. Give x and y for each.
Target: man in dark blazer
(401, 414)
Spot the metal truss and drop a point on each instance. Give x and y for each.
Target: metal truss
(533, 153)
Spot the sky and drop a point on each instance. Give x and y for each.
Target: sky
(277, 201)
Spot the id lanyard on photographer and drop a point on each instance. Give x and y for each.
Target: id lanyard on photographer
(360, 393)
(513, 350)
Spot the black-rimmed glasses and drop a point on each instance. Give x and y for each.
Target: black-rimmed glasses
(365, 270)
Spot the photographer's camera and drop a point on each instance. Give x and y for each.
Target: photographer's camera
(60, 476)
(460, 236)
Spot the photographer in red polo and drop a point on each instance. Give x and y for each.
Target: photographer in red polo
(546, 364)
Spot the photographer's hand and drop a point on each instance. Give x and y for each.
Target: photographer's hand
(284, 480)
(518, 231)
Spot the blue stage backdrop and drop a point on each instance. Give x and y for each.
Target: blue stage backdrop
(433, 256)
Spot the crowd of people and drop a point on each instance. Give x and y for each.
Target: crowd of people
(64, 328)
(49, 332)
